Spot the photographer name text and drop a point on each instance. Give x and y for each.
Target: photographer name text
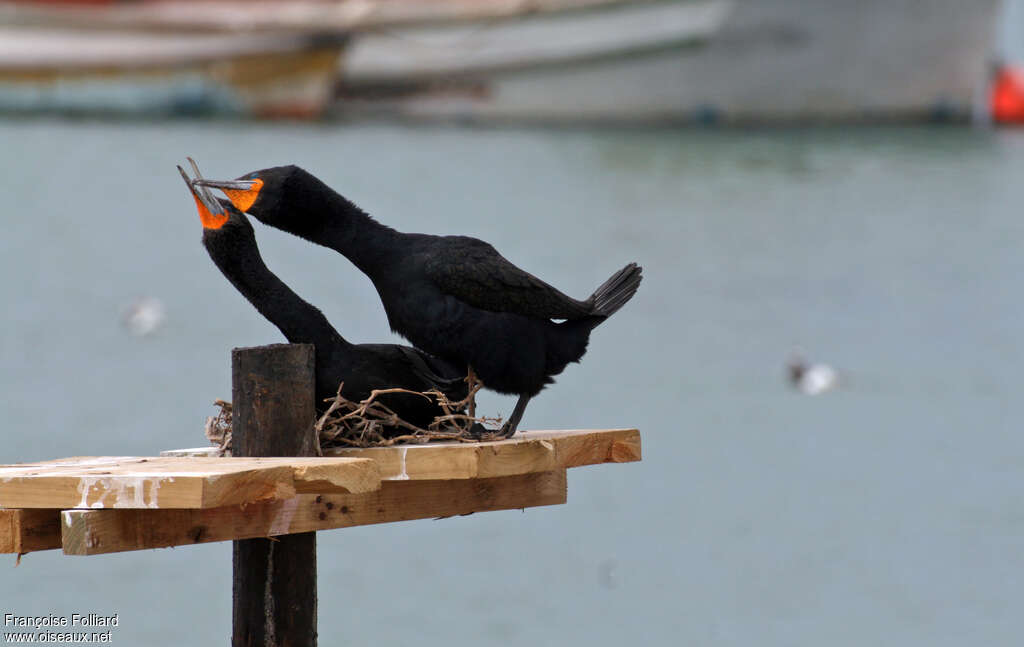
(89, 620)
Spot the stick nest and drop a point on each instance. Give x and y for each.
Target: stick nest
(363, 424)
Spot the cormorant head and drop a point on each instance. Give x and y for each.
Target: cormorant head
(217, 216)
(258, 193)
(292, 200)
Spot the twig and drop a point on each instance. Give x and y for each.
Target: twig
(218, 428)
(371, 423)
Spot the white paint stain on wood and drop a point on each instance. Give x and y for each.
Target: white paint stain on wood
(402, 475)
(127, 490)
(283, 519)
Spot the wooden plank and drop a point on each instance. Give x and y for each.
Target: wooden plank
(525, 452)
(166, 482)
(25, 531)
(205, 451)
(93, 532)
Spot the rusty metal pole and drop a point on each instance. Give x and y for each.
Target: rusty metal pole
(274, 581)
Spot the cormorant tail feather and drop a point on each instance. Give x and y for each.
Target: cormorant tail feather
(616, 291)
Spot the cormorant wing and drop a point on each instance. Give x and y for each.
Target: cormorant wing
(420, 367)
(475, 273)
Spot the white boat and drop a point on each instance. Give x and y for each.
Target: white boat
(741, 61)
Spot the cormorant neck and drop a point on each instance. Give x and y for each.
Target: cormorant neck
(299, 321)
(327, 218)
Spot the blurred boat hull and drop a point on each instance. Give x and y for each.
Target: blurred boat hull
(729, 61)
(129, 72)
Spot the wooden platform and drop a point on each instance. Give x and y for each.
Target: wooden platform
(167, 482)
(527, 451)
(93, 505)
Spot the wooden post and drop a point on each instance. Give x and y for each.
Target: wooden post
(274, 584)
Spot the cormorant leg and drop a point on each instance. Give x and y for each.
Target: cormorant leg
(509, 427)
(478, 431)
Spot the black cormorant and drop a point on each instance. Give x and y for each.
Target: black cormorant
(453, 296)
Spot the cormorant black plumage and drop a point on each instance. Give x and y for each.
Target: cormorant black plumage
(229, 238)
(453, 296)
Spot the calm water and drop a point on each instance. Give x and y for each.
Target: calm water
(888, 513)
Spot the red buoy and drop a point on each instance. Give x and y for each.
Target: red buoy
(1008, 95)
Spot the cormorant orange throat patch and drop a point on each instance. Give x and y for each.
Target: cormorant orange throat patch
(209, 220)
(244, 199)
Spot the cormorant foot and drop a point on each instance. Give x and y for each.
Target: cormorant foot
(507, 430)
(512, 424)
(478, 431)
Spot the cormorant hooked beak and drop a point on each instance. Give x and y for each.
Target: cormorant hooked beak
(242, 193)
(211, 213)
